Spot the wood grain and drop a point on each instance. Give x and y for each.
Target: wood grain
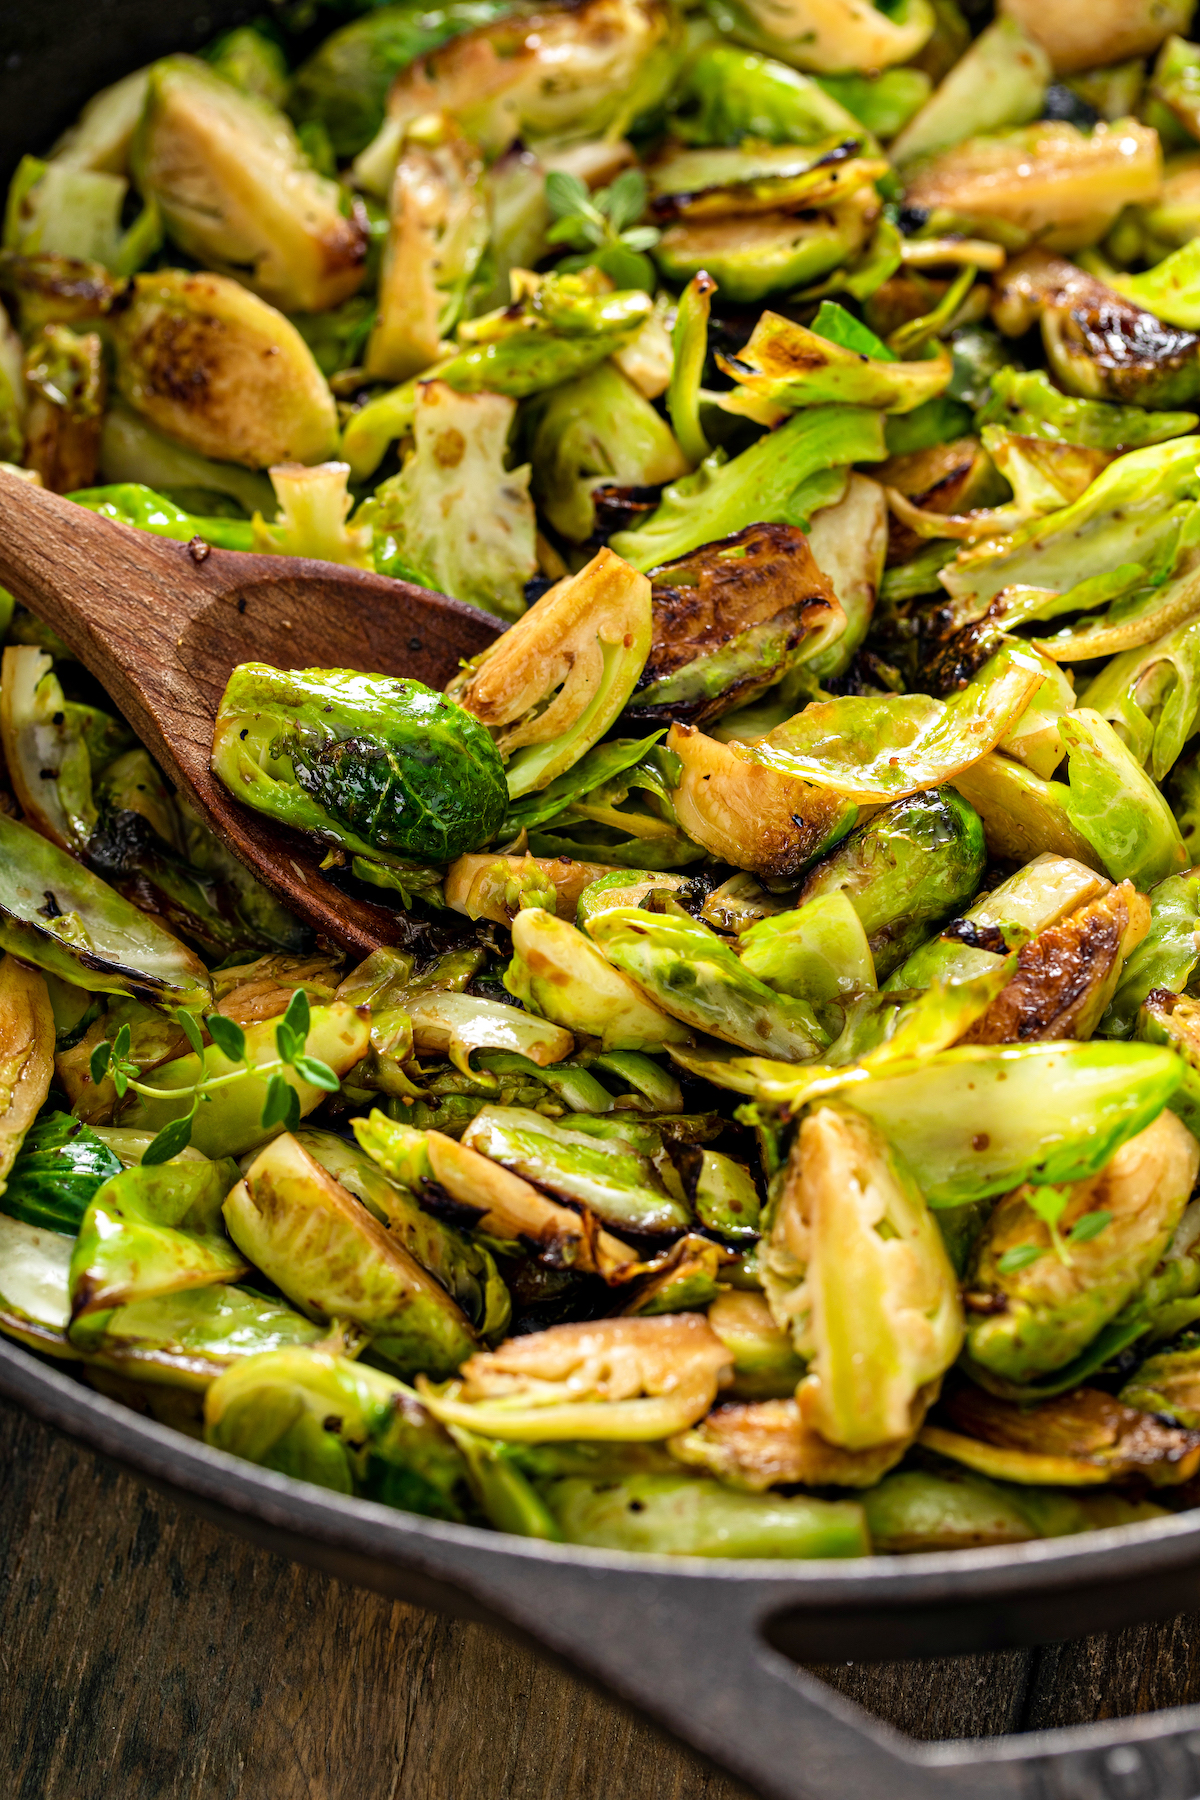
(147, 1656)
(161, 632)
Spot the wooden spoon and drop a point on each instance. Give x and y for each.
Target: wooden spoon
(161, 625)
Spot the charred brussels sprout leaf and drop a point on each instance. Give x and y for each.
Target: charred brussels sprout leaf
(382, 766)
(790, 366)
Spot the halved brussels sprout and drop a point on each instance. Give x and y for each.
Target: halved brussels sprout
(147, 1232)
(1166, 1384)
(552, 72)
(791, 366)
(26, 1055)
(765, 253)
(1023, 816)
(693, 974)
(455, 514)
(130, 452)
(437, 234)
(1107, 32)
(1078, 1440)
(1116, 806)
(319, 1417)
(1174, 1019)
(918, 1509)
(905, 871)
(555, 683)
(849, 542)
(387, 768)
(770, 1443)
(44, 749)
(66, 386)
(236, 191)
(728, 94)
(751, 814)
(594, 435)
(58, 915)
(499, 887)
(728, 621)
(1001, 79)
(818, 952)
(211, 364)
(618, 1380)
(1036, 1296)
(558, 972)
(1048, 180)
(230, 1123)
(322, 1247)
(830, 35)
(1166, 956)
(35, 1295)
(187, 1339)
(455, 1025)
(682, 1515)
(606, 1172)
(765, 1364)
(1150, 696)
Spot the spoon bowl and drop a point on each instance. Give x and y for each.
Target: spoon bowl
(161, 625)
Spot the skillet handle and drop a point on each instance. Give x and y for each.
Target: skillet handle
(694, 1654)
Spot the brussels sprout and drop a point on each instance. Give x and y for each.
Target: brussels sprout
(729, 620)
(770, 1442)
(26, 1055)
(1050, 180)
(1174, 1019)
(681, 1515)
(1106, 33)
(759, 486)
(437, 234)
(12, 392)
(1116, 806)
(343, 85)
(950, 1509)
(322, 1247)
(386, 768)
(580, 648)
(557, 73)
(849, 543)
(148, 1232)
(1039, 1292)
(457, 1263)
(57, 209)
(1165, 958)
(751, 814)
(236, 191)
(1166, 1384)
(188, 1338)
(320, 1417)
(818, 953)
(766, 253)
(1131, 513)
(611, 1177)
(100, 137)
(829, 36)
(793, 367)
(727, 94)
(57, 1171)
(217, 368)
(560, 327)
(455, 1025)
(65, 384)
(909, 868)
(590, 800)
(44, 749)
(596, 433)
(1079, 1440)
(558, 972)
(1042, 894)
(62, 918)
(230, 1122)
(618, 1380)
(1150, 697)
(689, 347)
(980, 1120)
(1023, 816)
(35, 1298)
(1172, 220)
(455, 511)
(765, 1365)
(57, 290)
(851, 745)
(722, 1192)
(130, 452)
(880, 1315)
(757, 178)
(695, 975)
(1000, 80)
(499, 887)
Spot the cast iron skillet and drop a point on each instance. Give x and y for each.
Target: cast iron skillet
(701, 1646)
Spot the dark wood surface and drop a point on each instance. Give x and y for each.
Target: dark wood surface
(162, 632)
(147, 1656)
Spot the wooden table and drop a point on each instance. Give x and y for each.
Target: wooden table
(147, 1656)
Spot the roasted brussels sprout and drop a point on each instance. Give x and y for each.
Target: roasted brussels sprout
(211, 364)
(791, 366)
(236, 192)
(455, 514)
(559, 973)
(555, 683)
(765, 253)
(387, 768)
(1107, 33)
(591, 436)
(1001, 80)
(829, 36)
(26, 1055)
(1078, 1439)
